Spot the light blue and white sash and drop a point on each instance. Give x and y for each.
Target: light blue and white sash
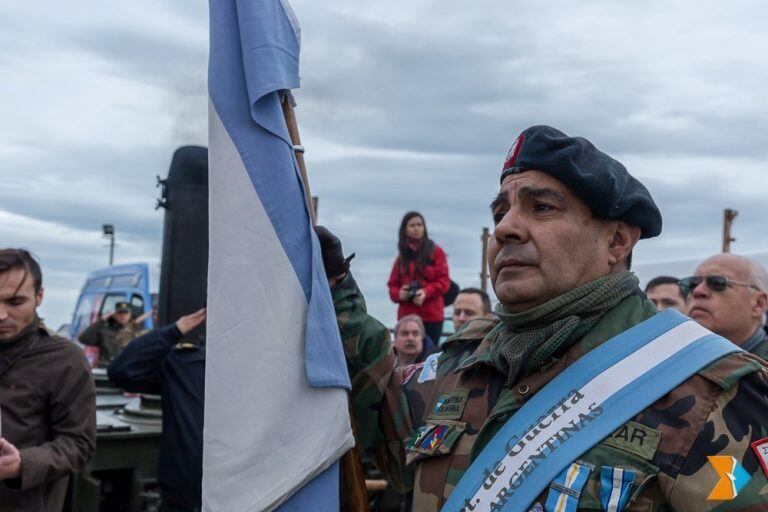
(585, 403)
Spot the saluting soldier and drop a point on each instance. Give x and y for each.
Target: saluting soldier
(580, 396)
(104, 331)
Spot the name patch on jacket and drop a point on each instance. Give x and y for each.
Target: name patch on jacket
(635, 438)
(450, 405)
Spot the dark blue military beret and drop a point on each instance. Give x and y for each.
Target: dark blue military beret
(596, 178)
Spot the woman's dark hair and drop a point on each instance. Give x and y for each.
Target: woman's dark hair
(21, 258)
(423, 256)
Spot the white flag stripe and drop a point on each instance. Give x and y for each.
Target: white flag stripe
(597, 391)
(260, 413)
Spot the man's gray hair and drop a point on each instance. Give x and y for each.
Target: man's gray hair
(757, 275)
(411, 318)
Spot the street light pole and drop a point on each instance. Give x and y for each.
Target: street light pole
(109, 232)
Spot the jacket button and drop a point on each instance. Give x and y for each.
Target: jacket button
(523, 389)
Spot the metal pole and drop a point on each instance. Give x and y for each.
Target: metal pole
(111, 249)
(728, 216)
(484, 265)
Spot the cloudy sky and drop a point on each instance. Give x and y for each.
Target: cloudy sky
(403, 105)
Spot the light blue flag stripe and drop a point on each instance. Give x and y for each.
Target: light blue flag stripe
(254, 53)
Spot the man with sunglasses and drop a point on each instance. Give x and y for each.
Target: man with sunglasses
(728, 296)
(47, 396)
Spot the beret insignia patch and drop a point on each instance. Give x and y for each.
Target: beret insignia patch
(513, 152)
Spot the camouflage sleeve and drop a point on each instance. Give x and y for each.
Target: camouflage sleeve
(738, 419)
(378, 403)
(128, 334)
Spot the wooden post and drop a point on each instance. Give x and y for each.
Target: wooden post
(728, 216)
(484, 265)
(351, 464)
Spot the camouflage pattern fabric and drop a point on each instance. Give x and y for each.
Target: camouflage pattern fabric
(719, 411)
(380, 409)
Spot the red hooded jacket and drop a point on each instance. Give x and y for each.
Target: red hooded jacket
(434, 281)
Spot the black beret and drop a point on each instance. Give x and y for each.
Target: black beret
(596, 178)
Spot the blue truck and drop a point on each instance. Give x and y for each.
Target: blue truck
(132, 283)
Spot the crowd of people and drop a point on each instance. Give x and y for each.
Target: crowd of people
(567, 217)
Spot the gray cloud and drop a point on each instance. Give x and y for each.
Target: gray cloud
(405, 105)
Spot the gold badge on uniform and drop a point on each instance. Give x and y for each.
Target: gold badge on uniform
(450, 405)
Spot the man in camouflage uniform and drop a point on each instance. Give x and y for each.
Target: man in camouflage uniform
(567, 219)
(728, 296)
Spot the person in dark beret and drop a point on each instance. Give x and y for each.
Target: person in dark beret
(566, 218)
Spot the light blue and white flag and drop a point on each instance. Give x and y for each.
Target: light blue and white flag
(276, 417)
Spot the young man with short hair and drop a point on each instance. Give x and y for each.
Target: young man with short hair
(46, 394)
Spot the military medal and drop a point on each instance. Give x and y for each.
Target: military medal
(615, 486)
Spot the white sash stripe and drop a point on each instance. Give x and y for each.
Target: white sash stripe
(597, 390)
(618, 482)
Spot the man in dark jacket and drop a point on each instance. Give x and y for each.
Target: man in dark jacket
(164, 362)
(46, 394)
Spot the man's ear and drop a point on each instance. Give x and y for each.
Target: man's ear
(622, 239)
(760, 304)
(39, 297)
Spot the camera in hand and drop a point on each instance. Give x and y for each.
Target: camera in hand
(415, 286)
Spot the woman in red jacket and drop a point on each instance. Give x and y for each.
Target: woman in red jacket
(419, 276)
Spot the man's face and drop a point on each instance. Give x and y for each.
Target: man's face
(666, 296)
(466, 307)
(122, 317)
(18, 302)
(408, 339)
(545, 243)
(734, 313)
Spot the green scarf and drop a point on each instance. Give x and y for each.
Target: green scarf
(525, 341)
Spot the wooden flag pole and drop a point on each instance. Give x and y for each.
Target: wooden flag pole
(293, 130)
(351, 462)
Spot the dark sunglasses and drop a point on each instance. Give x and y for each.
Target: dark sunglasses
(714, 283)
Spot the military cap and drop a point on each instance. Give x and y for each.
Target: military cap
(123, 306)
(602, 182)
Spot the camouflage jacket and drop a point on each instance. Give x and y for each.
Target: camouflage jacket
(719, 411)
